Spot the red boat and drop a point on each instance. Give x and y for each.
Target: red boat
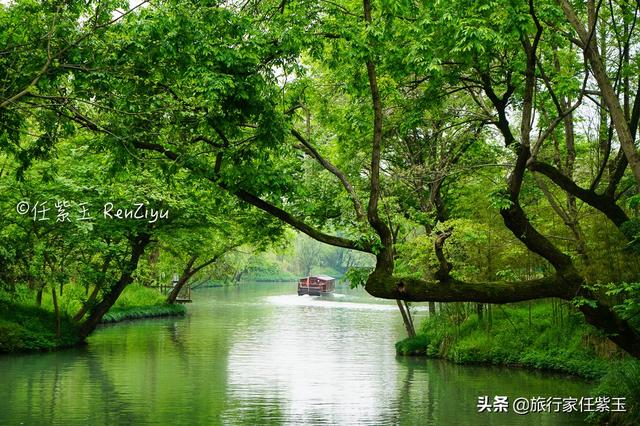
(316, 286)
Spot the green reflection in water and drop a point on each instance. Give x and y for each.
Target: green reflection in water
(258, 353)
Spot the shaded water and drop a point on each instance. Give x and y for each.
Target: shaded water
(260, 354)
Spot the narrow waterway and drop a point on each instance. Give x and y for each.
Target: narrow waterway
(260, 354)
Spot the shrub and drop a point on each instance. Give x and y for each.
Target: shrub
(412, 345)
(32, 328)
(513, 339)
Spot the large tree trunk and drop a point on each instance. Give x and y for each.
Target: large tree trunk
(85, 307)
(184, 277)
(175, 291)
(56, 309)
(39, 296)
(138, 244)
(564, 287)
(96, 289)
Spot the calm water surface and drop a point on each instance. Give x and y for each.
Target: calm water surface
(260, 354)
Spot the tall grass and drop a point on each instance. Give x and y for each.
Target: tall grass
(517, 337)
(138, 312)
(623, 381)
(136, 295)
(30, 328)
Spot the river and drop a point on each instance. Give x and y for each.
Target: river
(260, 354)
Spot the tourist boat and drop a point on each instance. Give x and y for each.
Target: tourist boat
(316, 286)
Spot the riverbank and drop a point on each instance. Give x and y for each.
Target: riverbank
(532, 336)
(141, 312)
(30, 328)
(25, 327)
(543, 336)
(139, 302)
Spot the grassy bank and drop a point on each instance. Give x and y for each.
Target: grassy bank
(30, 328)
(517, 336)
(137, 302)
(139, 312)
(540, 336)
(27, 327)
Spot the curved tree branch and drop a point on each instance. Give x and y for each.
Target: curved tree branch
(453, 290)
(559, 286)
(261, 204)
(333, 169)
(600, 202)
(442, 274)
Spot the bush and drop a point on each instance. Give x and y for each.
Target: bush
(413, 345)
(24, 328)
(11, 336)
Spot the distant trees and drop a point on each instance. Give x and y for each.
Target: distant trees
(310, 254)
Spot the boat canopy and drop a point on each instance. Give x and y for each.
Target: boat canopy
(324, 277)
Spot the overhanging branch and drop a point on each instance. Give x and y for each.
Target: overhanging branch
(416, 290)
(600, 202)
(262, 204)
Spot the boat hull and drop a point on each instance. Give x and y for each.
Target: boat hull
(313, 291)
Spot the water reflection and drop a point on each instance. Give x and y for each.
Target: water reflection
(261, 354)
(336, 301)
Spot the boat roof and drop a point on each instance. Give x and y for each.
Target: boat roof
(324, 277)
(320, 277)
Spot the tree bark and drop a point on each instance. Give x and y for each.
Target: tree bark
(385, 255)
(39, 296)
(85, 307)
(406, 319)
(96, 289)
(603, 203)
(453, 290)
(138, 244)
(56, 309)
(188, 272)
(184, 277)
